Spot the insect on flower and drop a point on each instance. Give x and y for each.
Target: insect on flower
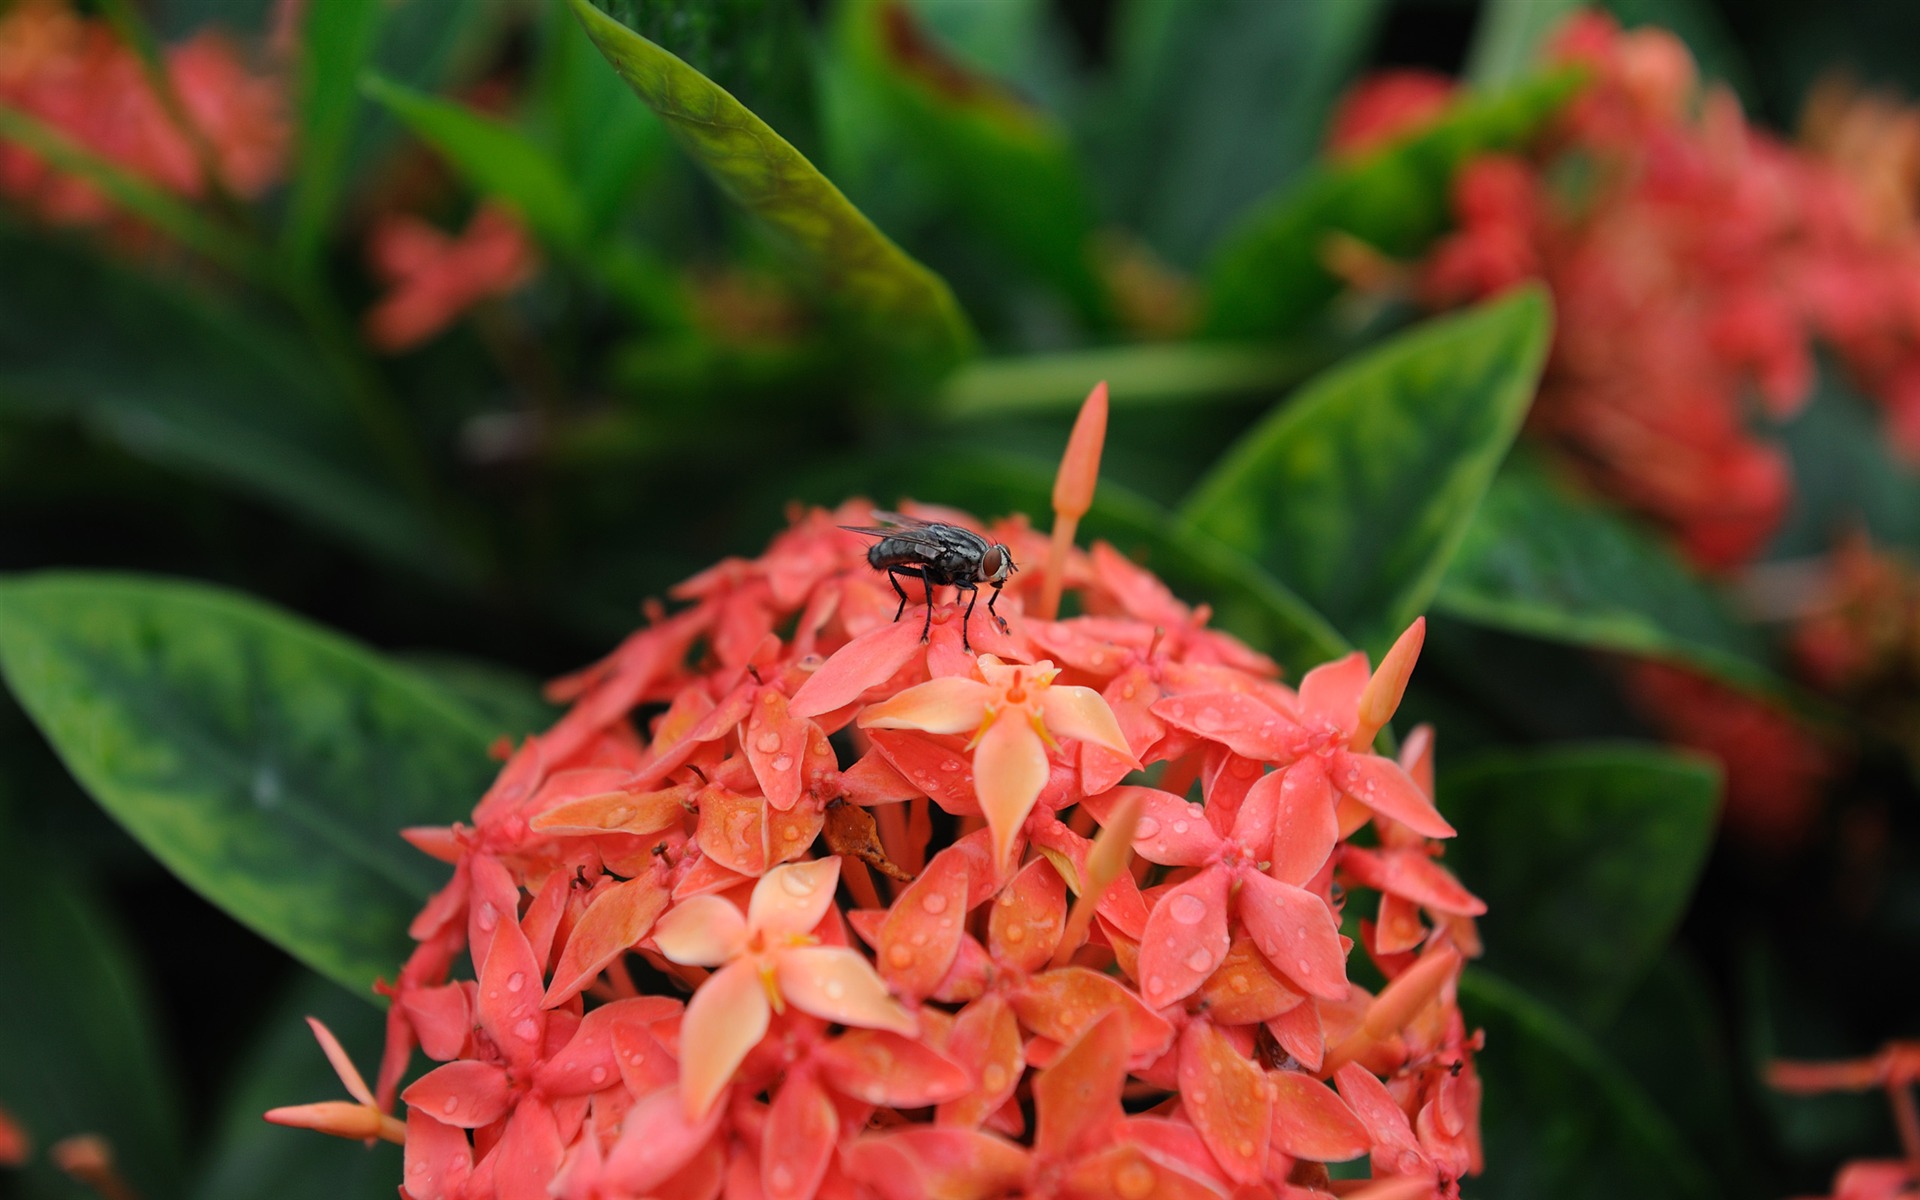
(936, 554)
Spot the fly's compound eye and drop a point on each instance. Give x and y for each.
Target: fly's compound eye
(994, 564)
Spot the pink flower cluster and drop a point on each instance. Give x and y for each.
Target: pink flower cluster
(792, 903)
(1694, 260)
(75, 75)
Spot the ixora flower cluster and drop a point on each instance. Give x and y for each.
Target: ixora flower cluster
(793, 903)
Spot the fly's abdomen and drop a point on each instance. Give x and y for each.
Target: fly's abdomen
(894, 552)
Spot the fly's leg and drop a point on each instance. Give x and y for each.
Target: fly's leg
(991, 601)
(893, 577)
(966, 622)
(926, 629)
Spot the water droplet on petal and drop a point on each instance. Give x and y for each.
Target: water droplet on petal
(1015, 934)
(1199, 960)
(934, 902)
(598, 1075)
(1179, 827)
(951, 765)
(1305, 966)
(616, 817)
(768, 742)
(487, 917)
(781, 1178)
(1135, 1181)
(516, 981)
(1187, 908)
(783, 762)
(1208, 719)
(834, 989)
(796, 884)
(1239, 985)
(453, 1103)
(899, 955)
(994, 1077)
(527, 1030)
(1245, 1148)
(1156, 985)
(1146, 828)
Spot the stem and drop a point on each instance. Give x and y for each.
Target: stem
(1906, 1119)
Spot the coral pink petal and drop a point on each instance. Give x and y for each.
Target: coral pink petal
(701, 931)
(614, 923)
(1296, 931)
(1225, 1095)
(1298, 1032)
(1311, 1122)
(937, 770)
(1130, 1170)
(867, 661)
(528, 1155)
(1081, 714)
(1077, 1098)
(1027, 918)
(1392, 1135)
(589, 1060)
(883, 1068)
(1009, 769)
(726, 1018)
(776, 746)
(1305, 825)
(1235, 720)
(1381, 698)
(1061, 1005)
(835, 983)
(953, 704)
(509, 997)
(439, 1159)
(802, 1127)
(937, 1164)
(1332, 690)
(1244, 990)
(468, 1094)
(656, 1140)
(1384, 786)
(986, 1040)
(1171, 831)
(1186, 938)
(1411, 875)
(873, 780)
(349, 1074)
(922, 931)
(793, 897)
(441, 1017)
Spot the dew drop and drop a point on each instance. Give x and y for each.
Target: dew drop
(919, 937)
(452, 1104)
(1187, 908)
(834, 989)
(1305, 966)
(934, 902)
(1208, 719)
(994, 1077)
(1015, 934)
(796, 884)
(781, 1178)
(950, 766)
(1156, 985)
(598, 1075)
(616, 817)
(527, 1030)
(782, 762)
(1199, 960)
(1180, 827)
(516, 981)
(1146, 828)
(486, 918)
(791, 833)
(1239, 985)
(1135, 1181)
(899, 956)
(768, 742)
(1245, 1148)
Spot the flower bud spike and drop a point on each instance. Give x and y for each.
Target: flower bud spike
(1073, 491)
(1111, 854)
(1389, 682)
(87, 1158)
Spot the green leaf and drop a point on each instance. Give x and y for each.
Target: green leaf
(1543, 560)
(1269, 276)
(1001, 163)
(1508, 38)
(173, 376)
(336, 40)
(268, 763)
(606, 143)
(1356, 491)
(899, 299)
(79, 1051)
(1558, 1118)
(1586, 857)
(246, 1157)
(1155, 373)
(1219, 103)
(505, 700)
(1846, 474)
(499, 160)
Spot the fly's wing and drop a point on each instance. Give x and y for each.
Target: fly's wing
(931, 536)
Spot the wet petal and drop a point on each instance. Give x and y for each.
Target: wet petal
(1171, 831)
(508, 998)
(1414, 876)
(1026, 919)
(468, 1094)
(1296, 931)
(617, 812)
(1077, 1099)
(1395, 1148)
(937, 1164)
(1305, 826)
(656, 1140)
(1185, 939)
(941, 772)
(1398, 928)
(1080, 713)
(867, 661)
(1311, 1122)
(986, 1040)
(1299, 1034)
(792, 897)
(835, 983)
(528, 1154)
(922, 931)
(726, 1018)
(802, 1127)
(776, 746)
(439, 1159)
(1331, 691)
(614, 923)
(952, 704)
(702, 931)
(1225, 1096)
(1244, 990)
(1009, 769)
(1235, 720)
(1061, 1005)
(883, 1068)
(1131, 1173)
(590, 1059)
(1384, 786)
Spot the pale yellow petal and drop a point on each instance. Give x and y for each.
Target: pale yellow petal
(701, 931)
(1082, 714)
(835, 983)
(950, 704)
(1009, 769)
(791, 898)
(726, 1018)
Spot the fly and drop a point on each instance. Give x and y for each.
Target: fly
(938, 556)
